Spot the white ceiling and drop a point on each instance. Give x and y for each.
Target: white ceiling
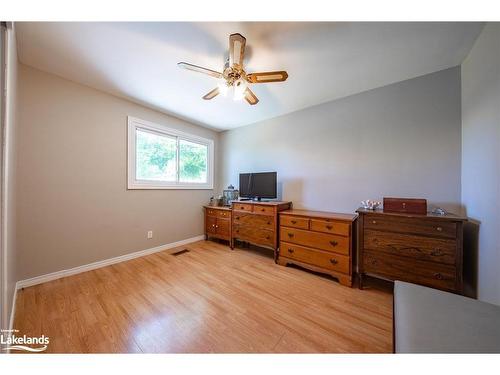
(325, 61)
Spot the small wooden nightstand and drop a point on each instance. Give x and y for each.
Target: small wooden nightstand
(218, 222)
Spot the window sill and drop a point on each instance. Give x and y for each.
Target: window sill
(132, 186)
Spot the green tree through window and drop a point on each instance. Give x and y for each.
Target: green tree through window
(193, 162)
(156, 158)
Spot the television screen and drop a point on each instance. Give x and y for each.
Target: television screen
(258, 185)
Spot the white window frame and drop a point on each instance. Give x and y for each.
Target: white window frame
(133, 124)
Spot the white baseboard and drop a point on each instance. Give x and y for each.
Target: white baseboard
(102, 263)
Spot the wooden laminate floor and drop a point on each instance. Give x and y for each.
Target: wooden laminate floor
(210, 299)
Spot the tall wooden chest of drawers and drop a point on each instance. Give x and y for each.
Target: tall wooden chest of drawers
(421, 249)
(257, 223)
(319, 241)
(218, 222)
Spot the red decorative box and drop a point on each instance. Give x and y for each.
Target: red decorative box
(405, 205)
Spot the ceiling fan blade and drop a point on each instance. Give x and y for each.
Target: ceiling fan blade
(212, 94)
(236, 49)
(199, 69)
(264, 77)
(250, 97)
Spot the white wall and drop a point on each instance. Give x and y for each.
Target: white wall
(9, 180)
(73, 206)
(481, 155)
(401, 140)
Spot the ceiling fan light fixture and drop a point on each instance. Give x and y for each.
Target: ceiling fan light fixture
(223, 87)
(239, 89)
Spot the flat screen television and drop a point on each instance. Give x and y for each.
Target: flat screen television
(258, 185)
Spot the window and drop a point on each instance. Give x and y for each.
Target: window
(163, 158)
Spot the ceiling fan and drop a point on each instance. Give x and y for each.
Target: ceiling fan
(234, 76)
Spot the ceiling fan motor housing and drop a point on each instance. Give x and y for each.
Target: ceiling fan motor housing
(233, 73)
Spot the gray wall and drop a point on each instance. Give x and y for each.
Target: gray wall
(400, 140)
(73, 205)
(481, 155)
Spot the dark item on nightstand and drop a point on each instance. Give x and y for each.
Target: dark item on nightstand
(421, 249)
(405, 205)
(215, 202)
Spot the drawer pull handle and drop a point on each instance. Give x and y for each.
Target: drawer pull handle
(268, 223)
(237, 218)
(374, 221)
(290, 235)
(290, 251)
(438, 276)
(217, 226)
(333, 261)
(329, 227)
(242, 207)
(262, 209)
(294, 221)
(436, 252)
(439, 229)
(213, 225)
(237, 231)
(334, 243)
(267, 237)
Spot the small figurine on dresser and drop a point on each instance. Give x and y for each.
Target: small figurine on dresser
(216, 201)
(369, 204)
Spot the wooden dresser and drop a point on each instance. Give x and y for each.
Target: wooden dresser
(257, 223)
(319, 241)
(421, 249)
(218, 222)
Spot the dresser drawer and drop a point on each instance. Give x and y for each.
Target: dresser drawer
(242, 207)
(294, 221)
(224, 214)
(212, 212)
(257, 221)
(438, 250)
(419, 272)
(257, 236)
(329, 242)
(329, 226)
(263, 210)
(407, 225)
(323, 259)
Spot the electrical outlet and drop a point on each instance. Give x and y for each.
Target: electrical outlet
(150, 234)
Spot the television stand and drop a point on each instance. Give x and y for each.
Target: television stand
(257, 223)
